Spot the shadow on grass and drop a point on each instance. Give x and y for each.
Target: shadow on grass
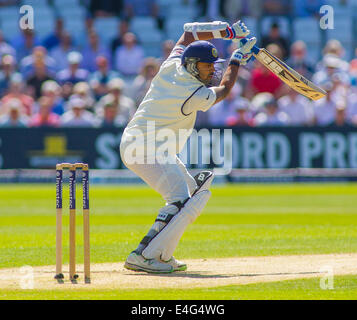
(200, 275)
(279, 274)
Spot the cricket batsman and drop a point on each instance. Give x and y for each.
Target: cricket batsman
(180, 89)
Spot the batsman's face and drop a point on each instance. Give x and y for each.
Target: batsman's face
(206, 70)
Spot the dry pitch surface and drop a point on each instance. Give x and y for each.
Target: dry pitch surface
(201, 273)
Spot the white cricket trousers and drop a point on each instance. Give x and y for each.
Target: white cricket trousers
(171, 180)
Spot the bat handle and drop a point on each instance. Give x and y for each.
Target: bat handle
(255, 49)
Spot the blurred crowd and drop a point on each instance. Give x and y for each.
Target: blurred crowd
(56, 82)
(260, 98)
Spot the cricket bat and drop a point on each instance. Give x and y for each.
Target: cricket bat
(292, 78)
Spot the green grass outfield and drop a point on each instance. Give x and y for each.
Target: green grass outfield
(345, 287)
(239, 220)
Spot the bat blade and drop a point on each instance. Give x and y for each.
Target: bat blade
(292, 78)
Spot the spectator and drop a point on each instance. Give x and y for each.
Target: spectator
(123, 28)
(39, 53)
(16, 91)
(89, 24)
(219, 113)
(308, 8)
(351, 109)
(14, 116)
(73, 74)
(234, 9)
(275, 37)
(60, 52)
(262, 80)
(105, 8)
(243, 115)
(325, 108)
(110, 112)
(125, 107)
(67, 89)
(353, 73)
(277, 7)
(82, 38)
(139, 8)
(333, 48)
(7, 3)
(100, 78)
(271, 115)
(6, 48)
(39, 76)
(341, 86)
(77, 115)
(129, 56)
(142, 82)
(92, 50)
(7, 71)
(258, 101)
(298, 108)
(24, 43)
(329, 66)
(111, 118)
(340, 119)
(298, 60)
(82, 90)
(45, 117)
(52, 90)
(54, 39)
(209, 10)
(166, 49)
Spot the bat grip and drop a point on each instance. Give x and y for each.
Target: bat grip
(255, 49)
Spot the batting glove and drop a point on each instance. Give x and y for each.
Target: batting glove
(237, 31)
(242, 55)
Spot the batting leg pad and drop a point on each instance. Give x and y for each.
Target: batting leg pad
(165, 215)
(164, 244)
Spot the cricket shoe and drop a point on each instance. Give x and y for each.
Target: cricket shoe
(137, 262)
(176, 264)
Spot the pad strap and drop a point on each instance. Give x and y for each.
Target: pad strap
(166, 217)
(161, 221)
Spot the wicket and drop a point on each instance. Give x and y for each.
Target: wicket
(72, 220)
